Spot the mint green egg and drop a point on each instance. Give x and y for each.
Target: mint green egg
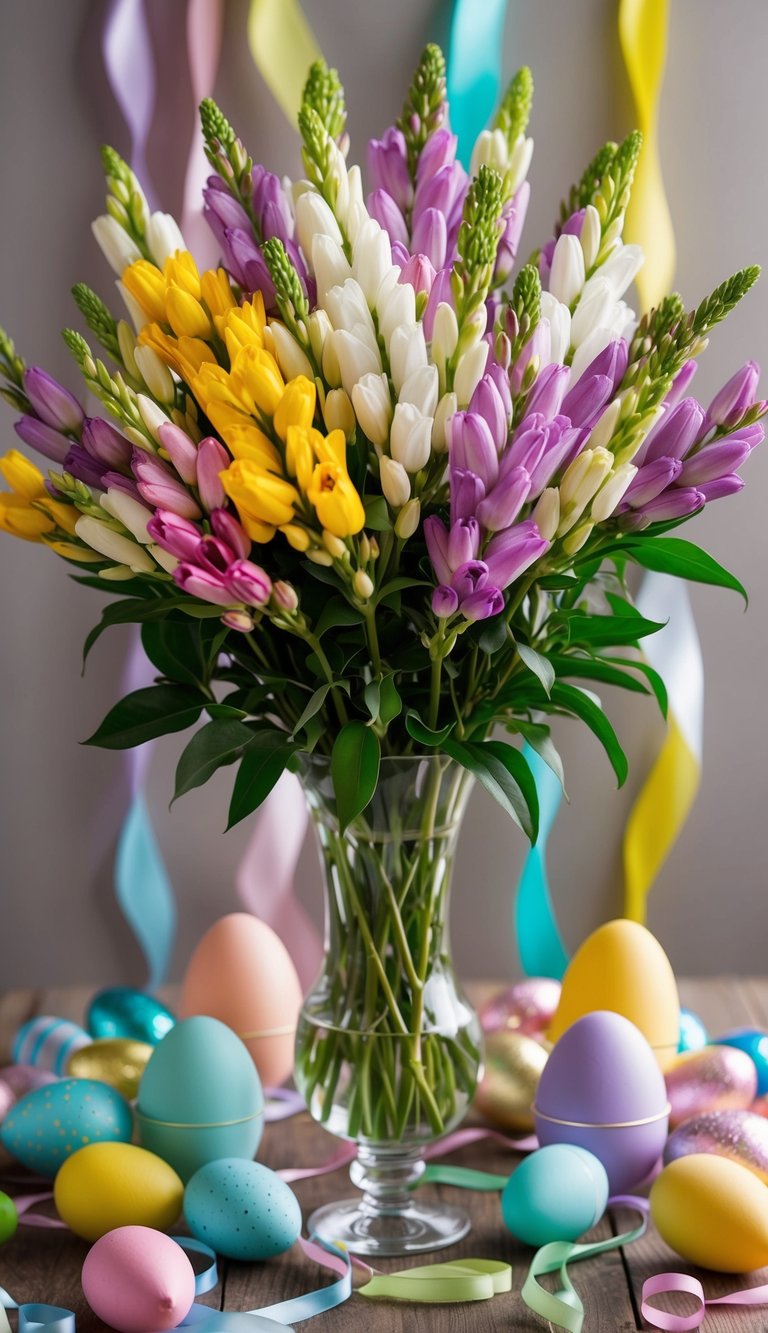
(556, 1193)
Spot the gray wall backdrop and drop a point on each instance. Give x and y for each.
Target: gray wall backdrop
(60, 803)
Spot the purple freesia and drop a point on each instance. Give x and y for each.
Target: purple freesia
(84, 467)
(212, 459)
(471, 446)
(736, 396)
(209, 587)
(383, 208)
(650, 480)
(174, 534)
(674, 434)
(226, 526)
(513, 220)
(487, 402)
(160, 487)
(388, 167)
(501, 506)
(249, 583)
(47, 441)
(480, 605)
(419, 272)
(510, 553)
(546, 396)
(430, 236)
(54, 404)
(106, 444)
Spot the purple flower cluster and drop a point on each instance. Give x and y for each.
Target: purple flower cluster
(241, 240)
(214, 567)
(56, 415)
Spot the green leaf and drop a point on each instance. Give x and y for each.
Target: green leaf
(337, 612)
(217, 710)
(146, 714)
(354, 770)
(260, 767)
(672, 555)
(377, 517)
(540, 666)
(396, 585)
(316, 702)
(574, 701)
(612, 672)
(608, 630)
(504, 772)
(372, 697)
(219, 742)
(493, 636)
(390, 703)
(652, 676)
(174, 647)
(420, 732)
(131, 611)
(540, 740)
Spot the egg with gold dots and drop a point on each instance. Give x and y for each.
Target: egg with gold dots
(47, 1126)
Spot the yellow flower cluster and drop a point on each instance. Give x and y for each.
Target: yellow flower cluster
(29, 512)
(283, 468)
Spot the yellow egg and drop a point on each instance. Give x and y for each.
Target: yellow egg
(118, 1061)
(108, 1185)
(507, 1090)
(621, 966)
(242, 974)
(713, 1212)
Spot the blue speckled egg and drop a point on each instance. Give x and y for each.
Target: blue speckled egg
(44, 1128)
(47, 1043)
(121, 1011)
(242, 1209)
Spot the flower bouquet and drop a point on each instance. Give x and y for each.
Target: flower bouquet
(372, 500)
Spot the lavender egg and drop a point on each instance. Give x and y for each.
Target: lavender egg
(740, 1135)
(717, 1078)
(527, 1007)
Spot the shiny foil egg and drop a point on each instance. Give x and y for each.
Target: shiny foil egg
(200, 1097)
(602, 1090)
(132, 1014)
(242, 974)
(755, 1043)
(527, 1007)
(717, 1078)
(47, 1043)
(118, 1061)
(693, 1034)
(740, 1135)
(512, 1069)
(622, 967)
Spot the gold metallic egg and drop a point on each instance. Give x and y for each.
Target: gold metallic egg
(118, 1061)
(507, 1091)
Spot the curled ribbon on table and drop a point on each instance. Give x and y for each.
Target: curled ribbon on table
(665, 1284)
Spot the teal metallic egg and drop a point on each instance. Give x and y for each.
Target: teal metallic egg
(124, 1012)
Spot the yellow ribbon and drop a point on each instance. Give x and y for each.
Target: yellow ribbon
(666, 798)
(283, 47)
(643, 36)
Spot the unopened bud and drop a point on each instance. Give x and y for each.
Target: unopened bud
(363, 585)
(338, 413)
(319, 556)
(407, 520)
(334, 545)
(284, 596)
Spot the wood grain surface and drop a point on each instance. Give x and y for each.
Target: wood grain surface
(44, 1265)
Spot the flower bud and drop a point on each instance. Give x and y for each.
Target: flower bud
(334, 545)
(469, 372)
(338, 413)
(567, 276)
(394, 483)
(163, 237)
(448, 405)
(284, 596)
(411, 437)
(181, 451)
(373, 406)
(133, 515)
(546, 514)
(116, 246)
(363, 585)
(102, 538)
(407, 520)
(291, 357)
(152, 416)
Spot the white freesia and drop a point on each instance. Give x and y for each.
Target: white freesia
(490, 150)
(596, 307)
(315, 218)
(408, 520)
(578, 537)
(410, 437)
(348, 309)
(117, 248)
(558, 317)
(590, 235)
(546, 514)
(397, 308)
(621, 268)
(164, 237)
(126, 341)
(131, 513)
(330, 265)
(445, 333)
(100, 537)
(138, 318)
(421, 388)
(519, 162)
(152, 416)
(611, 493)
(625, 321)
(164, 559)
(469, 372)
(582, 480)
(155, 374)
(407, 354)
(602, 432)
(597, 341)
(338, 413)
(372, 259)
(395, 483)
(318, 326)
(566, 278)
(448, 404)
(355, 358)
(373, 407)
(291, 358)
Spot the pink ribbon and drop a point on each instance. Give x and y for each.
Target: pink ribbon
(664, 1284)
(461, 1138)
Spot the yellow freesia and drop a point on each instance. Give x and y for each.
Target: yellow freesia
(185, 314)
(335, 500)
(259, 374)
(180, 270)
(71, 552)
(259, 496)
(18, 518)
(65, 516)
(217, 294)
(22, 475)
(296, 407)
(299, 458)
(244, 325)
(146, 285)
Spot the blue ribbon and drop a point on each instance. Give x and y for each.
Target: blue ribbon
(474, 68)
(541, 949)
(144, 890)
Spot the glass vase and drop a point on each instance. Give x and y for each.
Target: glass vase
(388, 1047)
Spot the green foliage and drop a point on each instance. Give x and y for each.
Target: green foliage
(98, 318)
(323, 92)
(354, 770)
(515, 110)
(146, 714)
(425, 106)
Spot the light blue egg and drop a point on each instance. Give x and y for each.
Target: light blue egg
(47, 1043)
(755, 1043)
(693, 1034)
(242, 1209)
(555, 1194)
(121, 1011)
(44, 1128)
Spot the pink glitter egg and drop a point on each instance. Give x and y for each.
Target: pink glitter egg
(740, 1135)
(716, 1078)
(527, 1007)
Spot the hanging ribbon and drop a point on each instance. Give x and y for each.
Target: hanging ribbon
(283, 47)
(205, 21)
(475, 54)
(665, 800)
(541, 949)
(142, 885)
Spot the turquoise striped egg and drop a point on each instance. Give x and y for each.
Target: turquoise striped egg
(47, 1043)
(44, 1128)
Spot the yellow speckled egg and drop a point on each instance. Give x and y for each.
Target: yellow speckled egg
(242, 974)
(621, 966)
(713, 1212)
(108, 1185)
(118, 1061)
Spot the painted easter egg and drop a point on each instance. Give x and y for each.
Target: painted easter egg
(47, 1043)
(556, 1193)
(118, 1061)
(121, 1011)
(740, 1135)
(527, 1007)
(716, 1078)
(713, 1212)
(49, 1124)
(9, 1218)
(242, 1209)
(621, 966)
(242, 974)
(512, 1069)
(108, 1185)
(200, 1097)
(602, 1090)
(693, 1034)
(755, 1043)
(137, 1280)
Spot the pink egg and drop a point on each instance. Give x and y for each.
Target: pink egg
(527, 1007)
(16, 1080)
(716, 1078)
(138, 1280)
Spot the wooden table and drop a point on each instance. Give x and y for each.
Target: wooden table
(44, 1265)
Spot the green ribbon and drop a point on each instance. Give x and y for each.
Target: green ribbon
(465, 1280)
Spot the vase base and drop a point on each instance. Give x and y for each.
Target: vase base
(415, 1229)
